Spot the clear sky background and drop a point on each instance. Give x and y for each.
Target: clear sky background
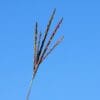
(72, 71)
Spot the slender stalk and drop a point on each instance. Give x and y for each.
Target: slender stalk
(30, 87)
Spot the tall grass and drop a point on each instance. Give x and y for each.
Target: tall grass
(41, 48)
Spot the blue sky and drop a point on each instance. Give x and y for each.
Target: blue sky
(72, 71)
